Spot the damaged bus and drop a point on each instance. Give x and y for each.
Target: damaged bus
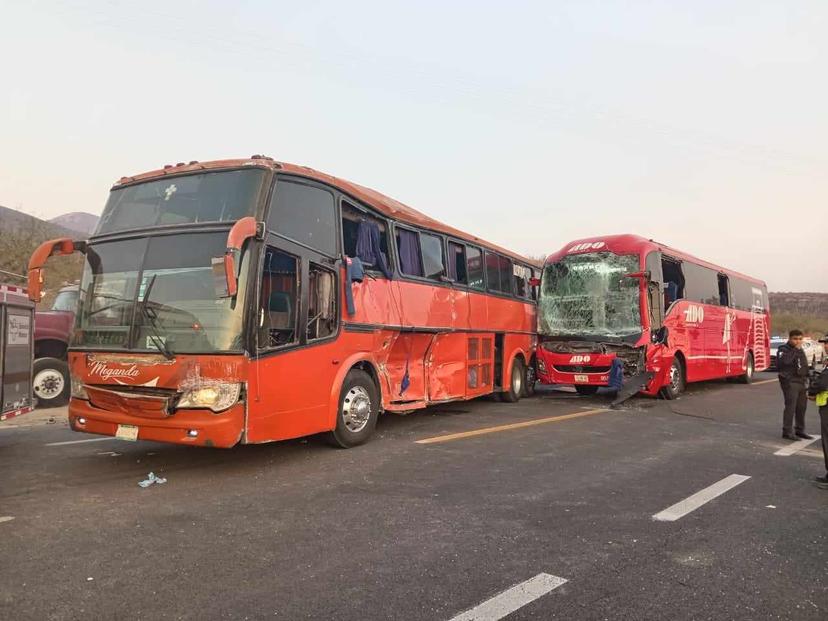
(633, 314)
(246, 301)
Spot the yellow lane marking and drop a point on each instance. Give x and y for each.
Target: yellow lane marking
(764, 382)
(499, 428)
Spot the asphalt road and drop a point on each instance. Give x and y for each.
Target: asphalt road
(399, 529)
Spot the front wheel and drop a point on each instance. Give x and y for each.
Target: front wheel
(358, 410)
(676, 384)
(516, 382)
(586, 391)
(50, 382)
(747, 376)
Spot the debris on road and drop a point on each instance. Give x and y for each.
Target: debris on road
(151, 478)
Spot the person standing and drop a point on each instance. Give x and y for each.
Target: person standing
(819, 391)
(793, 376)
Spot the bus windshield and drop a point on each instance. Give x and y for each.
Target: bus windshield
(158, 293)
(223, 196)
(587, 295)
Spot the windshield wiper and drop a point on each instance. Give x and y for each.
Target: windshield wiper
(152, 316)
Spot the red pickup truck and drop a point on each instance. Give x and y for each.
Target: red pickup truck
(51, 335)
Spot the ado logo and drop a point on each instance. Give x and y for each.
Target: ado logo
(575, 359)
(694, 314)
(587, 246)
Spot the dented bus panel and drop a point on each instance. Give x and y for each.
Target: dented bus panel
(668, 317)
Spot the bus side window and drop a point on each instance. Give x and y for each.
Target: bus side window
(474, 267)
(673, 281)
(457, 263)
(321, 303)
(356, 226)
(724, 290)
(278, 300)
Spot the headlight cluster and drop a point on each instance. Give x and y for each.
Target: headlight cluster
(78, 391)
(215, 396)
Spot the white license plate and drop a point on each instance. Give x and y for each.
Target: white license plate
(582, 379)
(127, 432)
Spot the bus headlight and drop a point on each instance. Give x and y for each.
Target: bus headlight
(78, 391)
(216, 396)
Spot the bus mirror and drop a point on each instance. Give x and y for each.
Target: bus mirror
(51, 248)
(242, 230)
(534, 282)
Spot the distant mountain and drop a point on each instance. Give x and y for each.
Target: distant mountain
(803, 310)
(77, 221)
(21, 235)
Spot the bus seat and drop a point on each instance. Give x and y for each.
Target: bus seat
(279, 310)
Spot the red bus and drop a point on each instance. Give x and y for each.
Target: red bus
(666, 317)
(249, 300)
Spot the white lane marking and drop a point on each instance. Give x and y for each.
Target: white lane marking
(79, 441)
(691, 503)
(511, 599)
(795, 447)
(6, 518)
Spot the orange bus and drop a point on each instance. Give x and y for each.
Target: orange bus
(249, 300)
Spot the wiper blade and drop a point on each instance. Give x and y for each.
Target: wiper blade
(151, 315)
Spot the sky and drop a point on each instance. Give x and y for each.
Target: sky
(701, 124)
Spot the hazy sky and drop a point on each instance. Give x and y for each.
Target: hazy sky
(701, 124)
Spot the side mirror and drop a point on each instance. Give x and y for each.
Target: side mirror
(659, 337)
(242, 230)
(51, 248)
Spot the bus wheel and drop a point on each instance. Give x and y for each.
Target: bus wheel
(586, 391)
(531, 380)
(516, 383)
(747, 377)
(358, 410)
(676, 384)
(50, 382)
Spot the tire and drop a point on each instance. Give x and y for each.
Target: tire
(50, 382)
(750, 368)
(677, 380)
(516, 382)
(531, 380)
(356, 416)
(586, 391)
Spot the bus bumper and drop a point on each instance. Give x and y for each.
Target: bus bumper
(556, 368)
(195, 427)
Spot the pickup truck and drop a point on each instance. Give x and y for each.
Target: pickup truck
(50, 376)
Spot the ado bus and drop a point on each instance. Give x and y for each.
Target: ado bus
(667, 317)
(252, 300)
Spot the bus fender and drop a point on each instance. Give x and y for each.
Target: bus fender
(355, 360)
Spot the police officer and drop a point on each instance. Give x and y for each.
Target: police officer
(793, 376)
(818, 390)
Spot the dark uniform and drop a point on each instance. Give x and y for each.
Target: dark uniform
(793, 375)
(820, 384)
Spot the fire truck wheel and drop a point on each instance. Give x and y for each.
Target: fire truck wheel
(358, 410)
(586, 391)
(50, 382)
(747, 377)
(675, 385)
(516, 383)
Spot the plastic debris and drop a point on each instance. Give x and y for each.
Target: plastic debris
(151, 478)
(770, 506)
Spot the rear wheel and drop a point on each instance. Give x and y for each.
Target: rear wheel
(676, 383)
(50, 382)
(531, 380)
(747, 376)
(358, 411)
(586, 391)
(516, 382)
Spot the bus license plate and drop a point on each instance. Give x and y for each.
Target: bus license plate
(583, 379)
(127, 432)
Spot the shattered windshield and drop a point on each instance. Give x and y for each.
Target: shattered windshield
(158, 292)
(588, 295)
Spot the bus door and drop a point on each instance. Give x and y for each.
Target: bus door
(296, 323)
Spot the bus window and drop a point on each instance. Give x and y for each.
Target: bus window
(521, 275)
(724, 290)
(498, 273)
(278, 307)
(321, 303)
(356, 224)
(408, 250)
(673, 281)
(701, 283)
(474, 267)
(457, 263)
(304, 213)
(432, 248)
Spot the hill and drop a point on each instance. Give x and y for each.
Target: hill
(21, 234)
(77, 221)
(804, 310)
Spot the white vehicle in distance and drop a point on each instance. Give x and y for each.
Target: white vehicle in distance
(775, 342)
(814, 352)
